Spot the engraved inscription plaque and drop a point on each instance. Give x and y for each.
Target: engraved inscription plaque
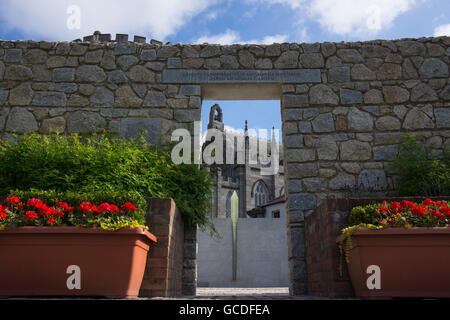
(241, 76)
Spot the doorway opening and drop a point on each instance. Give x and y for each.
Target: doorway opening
(250, 253)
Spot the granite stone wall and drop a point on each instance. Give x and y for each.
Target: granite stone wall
(343, 105)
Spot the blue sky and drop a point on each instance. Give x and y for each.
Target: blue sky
(229, 21)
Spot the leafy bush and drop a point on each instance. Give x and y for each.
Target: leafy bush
(103, 164)
(367, 214)
(420, 172)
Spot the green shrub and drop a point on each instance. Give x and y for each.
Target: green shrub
(420, 171)
(103, 164)
(366, 214)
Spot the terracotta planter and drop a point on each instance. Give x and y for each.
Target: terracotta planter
(35, 261)
(413, 262)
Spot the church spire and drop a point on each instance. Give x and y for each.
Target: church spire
(246, 129)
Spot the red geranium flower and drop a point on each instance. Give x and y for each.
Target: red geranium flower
(407, 204)
(12, 200)
(419, 210)
(445, 210)
(51, 220)
(395, 207)
(85, 207)
(2, 215)
(33, 202)
(384, 209)
(428, 202)
(65, 206)
(128, 206)
(31, 215)
(104, 207)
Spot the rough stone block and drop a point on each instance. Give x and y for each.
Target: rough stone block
(133, 127)
(372, 180)
(190, 90)
(339, 74)
(21, 120)
(350, 96)
(85, 122)
(301, 201)
(63, 74)
(51, 99)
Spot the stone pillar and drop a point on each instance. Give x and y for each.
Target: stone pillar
(189, 286)
(296, 256)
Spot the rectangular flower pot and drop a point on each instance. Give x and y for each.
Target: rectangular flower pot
(412, 262)
(72, 261)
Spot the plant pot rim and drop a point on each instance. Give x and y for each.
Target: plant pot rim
(397, 231)
(76, 230)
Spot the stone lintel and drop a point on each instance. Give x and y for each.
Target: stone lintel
(241, 76)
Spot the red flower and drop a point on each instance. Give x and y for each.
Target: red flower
(33, 202)
(51, 220)
(407, 204)
(428, 202)
(45, 210)
(384, 209)
(104, 207)
(445, 210)
(128, 207)
(31, 215)
(114, 208)
(59, 213)
(85, 207)
(395, 207)
(419, 211)
(65, 206)
(2, 215)
(435, 213)
(12, 200)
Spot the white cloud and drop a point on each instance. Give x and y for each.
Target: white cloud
(233, 37)
(278, 38)
(228, 37)
(443, 30)
(357, 18)
(354, 18)
(46, 19)
(212, 15)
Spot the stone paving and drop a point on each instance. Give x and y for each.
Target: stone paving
(279, 293)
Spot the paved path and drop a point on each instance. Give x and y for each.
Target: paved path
(244, 294)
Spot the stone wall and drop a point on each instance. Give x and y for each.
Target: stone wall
(163, 272)
(344, 105)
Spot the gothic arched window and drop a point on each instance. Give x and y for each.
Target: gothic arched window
(228, 204)
(260, 194)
